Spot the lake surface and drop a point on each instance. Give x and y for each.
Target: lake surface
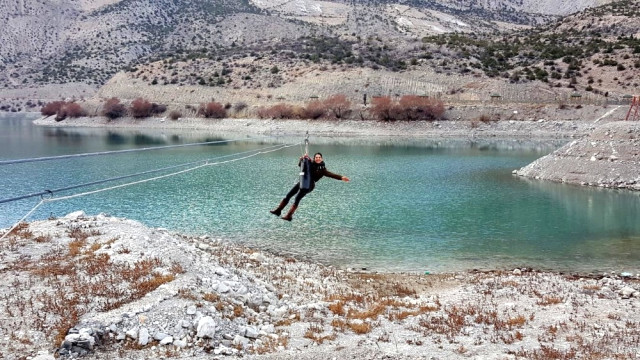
(418, 205)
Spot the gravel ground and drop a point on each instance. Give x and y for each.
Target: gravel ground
(109, 287)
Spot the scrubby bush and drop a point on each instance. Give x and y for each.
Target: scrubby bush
(263, 112)
(382, 108)
(484, 118)
(51, 108)
(278, 111)
(282, 111)
(314, 110)
(158, 108)
(420, 108)
(409, 107)
(213, 110)
(140, 108)
(113, 109)
(239, 106)
(338, 105)
(72, 110)
(62, 110)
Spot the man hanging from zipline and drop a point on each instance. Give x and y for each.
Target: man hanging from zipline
(312, 171)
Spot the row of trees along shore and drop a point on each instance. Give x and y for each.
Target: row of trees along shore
(384, 108)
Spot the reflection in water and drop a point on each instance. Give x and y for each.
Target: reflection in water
(63, 137)
(113, 138)
(214, 139)
(141, 139)
(596, 208)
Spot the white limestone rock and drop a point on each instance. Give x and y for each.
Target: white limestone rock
(206, 328)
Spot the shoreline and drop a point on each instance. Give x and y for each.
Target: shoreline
(446, 129)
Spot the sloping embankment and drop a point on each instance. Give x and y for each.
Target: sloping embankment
(608, 157)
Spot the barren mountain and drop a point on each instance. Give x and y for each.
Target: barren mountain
(83, 44)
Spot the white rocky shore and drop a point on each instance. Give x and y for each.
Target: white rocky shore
(512, 129)
(608, 157)
(104, 288)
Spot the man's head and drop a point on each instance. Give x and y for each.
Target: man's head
(317, 158)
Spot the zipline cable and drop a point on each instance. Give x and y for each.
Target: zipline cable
(21, 220)
(45, 192)
(70, 156)
(160, 176)
(45, 200)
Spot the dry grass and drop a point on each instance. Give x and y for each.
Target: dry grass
(42, 239)
(346, 298)
(517, 321)
(402, 315)
(294, 317)
(75, 247)
(360, 327)
(337, 308)
(592, 287)
(401, 290)
(211, 297)
(187, 294)
(456, 318)
(22, 231)
(550, 300)
(339, 325)
(315, 333)
(270, 344)
(73, 280)
(370, 313)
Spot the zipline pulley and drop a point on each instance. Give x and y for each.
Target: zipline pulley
(305, 166)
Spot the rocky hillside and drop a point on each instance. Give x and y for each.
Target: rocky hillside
(516, 50)
(88, 41)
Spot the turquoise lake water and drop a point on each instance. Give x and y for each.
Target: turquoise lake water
(419, 205)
